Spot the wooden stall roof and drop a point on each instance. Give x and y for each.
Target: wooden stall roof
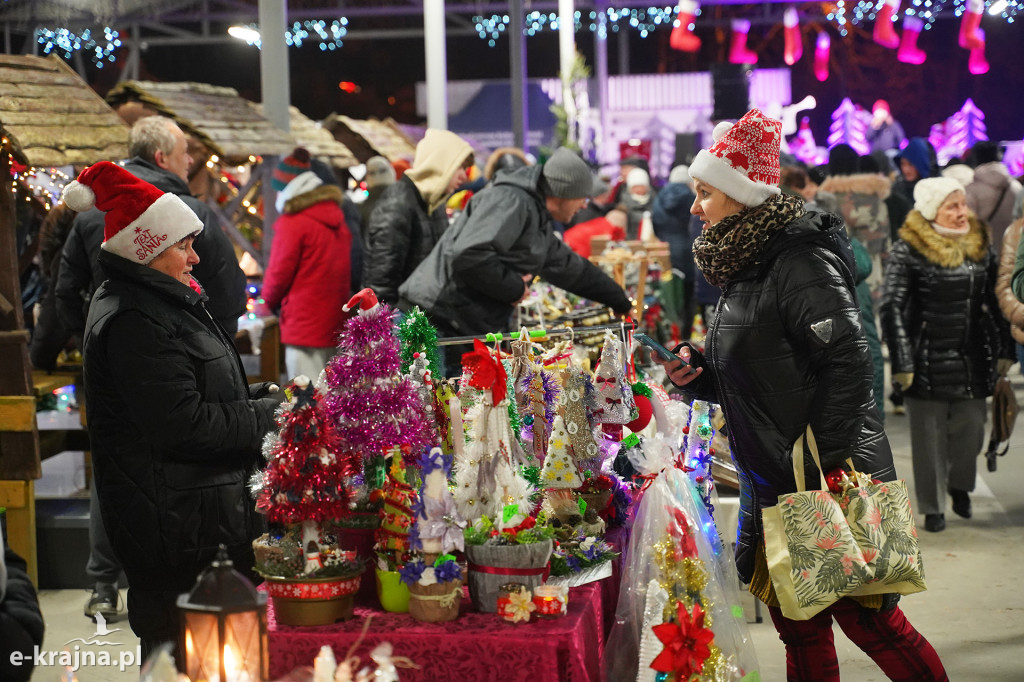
(370, 137)
(53, 118)
(317, 139)
(219, 117)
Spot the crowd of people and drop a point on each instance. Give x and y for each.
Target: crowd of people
(803, 274)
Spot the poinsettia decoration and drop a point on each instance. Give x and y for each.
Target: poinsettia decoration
(485, 371)
(686, 643)
(679, 529)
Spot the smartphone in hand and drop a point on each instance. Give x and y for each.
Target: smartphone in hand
(665, 353)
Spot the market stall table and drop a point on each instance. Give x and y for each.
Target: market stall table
(476, 646)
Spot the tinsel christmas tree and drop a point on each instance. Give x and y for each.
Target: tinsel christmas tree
(418, 336)
(966, 127)
(308, 463)
(377, 410)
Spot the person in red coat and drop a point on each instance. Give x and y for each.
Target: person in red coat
(308, 275)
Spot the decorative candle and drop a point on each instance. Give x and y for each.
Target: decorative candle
(551, 600)
(515, 603)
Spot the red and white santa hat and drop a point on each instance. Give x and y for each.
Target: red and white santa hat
(141, 222)
(363, 301)
(744, 160)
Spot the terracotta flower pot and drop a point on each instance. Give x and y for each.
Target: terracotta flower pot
(313, 601)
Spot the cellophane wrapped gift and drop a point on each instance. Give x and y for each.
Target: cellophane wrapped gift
(677, 565)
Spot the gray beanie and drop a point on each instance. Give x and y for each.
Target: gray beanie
(566, 176)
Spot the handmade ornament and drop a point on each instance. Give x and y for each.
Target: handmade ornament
(793, 49)
(324, 665)
(642, 397)
(573, 407)
(682, 37)
(418, 336)
(396, 513)
(448, 416)
(537, 410)
(615, 399)
(884, 34)
(559, 470)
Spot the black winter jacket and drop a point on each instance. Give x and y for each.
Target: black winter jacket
(474, 276)
(217, 270)
(21, 620)
(399, 236)
(175, 430)
(939, 312)
(785, 350)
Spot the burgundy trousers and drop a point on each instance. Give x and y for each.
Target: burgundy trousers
(886, 636)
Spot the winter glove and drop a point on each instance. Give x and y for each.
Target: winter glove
(263, 389)
(889, 601)
(1003, 366)
(903, 380)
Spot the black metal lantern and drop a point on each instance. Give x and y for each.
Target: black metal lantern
(224, 622)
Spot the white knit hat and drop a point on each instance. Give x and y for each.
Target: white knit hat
(929, 194)
(744, 160)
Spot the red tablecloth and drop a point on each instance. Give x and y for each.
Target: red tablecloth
(476, 646)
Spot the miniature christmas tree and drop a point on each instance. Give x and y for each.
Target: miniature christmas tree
(303, 484)
(559, 470)
(849, 127)
(375, 407)
(967, 127)
(418, 336)
(487, 475)
(396, 515)
(615, 401)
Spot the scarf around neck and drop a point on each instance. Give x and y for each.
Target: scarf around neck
(737, 241)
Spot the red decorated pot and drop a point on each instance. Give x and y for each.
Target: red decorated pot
(313, 601)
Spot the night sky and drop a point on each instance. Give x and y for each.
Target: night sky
(919, 95)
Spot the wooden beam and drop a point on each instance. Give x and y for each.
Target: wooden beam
(17, 413)
(19, 499)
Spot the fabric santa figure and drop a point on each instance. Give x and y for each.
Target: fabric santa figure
(141, 222)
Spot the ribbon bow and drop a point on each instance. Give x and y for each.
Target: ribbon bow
(613, 401)
(604, 380)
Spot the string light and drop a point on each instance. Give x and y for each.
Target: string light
(65, 41)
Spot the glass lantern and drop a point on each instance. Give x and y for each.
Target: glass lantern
(224, 625)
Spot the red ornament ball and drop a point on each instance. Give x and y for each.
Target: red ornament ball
(686, 429)
(643, 406)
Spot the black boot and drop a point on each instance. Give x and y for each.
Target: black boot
(934, 523)
(961, 502)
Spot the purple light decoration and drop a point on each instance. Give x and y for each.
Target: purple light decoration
(849, 126)
(966, 127)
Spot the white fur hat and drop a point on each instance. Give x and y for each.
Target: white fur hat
(929, 194)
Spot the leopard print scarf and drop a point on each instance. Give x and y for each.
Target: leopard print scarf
(736, 242)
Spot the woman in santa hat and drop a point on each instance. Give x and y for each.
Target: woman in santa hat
(175, 429)
(786, 351)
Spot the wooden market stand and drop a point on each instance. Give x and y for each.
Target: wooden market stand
(49, 117)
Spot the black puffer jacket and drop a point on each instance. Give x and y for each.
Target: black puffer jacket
(217, 270)
(474, 276)
(786, 349)
(175, 430)
(21, 620)
(399, 236)
(939, 311)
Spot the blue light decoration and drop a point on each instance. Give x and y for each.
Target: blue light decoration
(64, 42)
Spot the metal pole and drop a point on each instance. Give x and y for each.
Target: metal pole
(601, 68)
(624, 53)
(437, 64)
(517, 59)
(566, 45)
(274, 63)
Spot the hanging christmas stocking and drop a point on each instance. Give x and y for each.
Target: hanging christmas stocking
(738, 52)
(976, 63)
(794, 48)
(909, 53)
(682, 37)
(970, 33)
(822, 47)
(885, 33)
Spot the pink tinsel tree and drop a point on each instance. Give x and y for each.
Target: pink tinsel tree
(375, 408)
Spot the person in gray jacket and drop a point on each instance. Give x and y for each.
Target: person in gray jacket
(481, 268)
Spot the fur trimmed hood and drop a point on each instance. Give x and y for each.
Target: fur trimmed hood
(320, 193)
(942, 251)
(861, 183)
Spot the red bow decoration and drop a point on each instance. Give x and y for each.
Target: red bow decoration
(686, 644)
(485, 371)
(613, 401)
(604, 380)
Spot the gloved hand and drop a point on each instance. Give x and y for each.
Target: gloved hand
(265, 388)
(903, 380)
(1003, 366)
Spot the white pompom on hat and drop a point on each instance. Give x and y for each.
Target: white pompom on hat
(743, 162)
(141, 221)
(363, 301)
(929, 194)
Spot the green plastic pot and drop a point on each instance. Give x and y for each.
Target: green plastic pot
(392, 593)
